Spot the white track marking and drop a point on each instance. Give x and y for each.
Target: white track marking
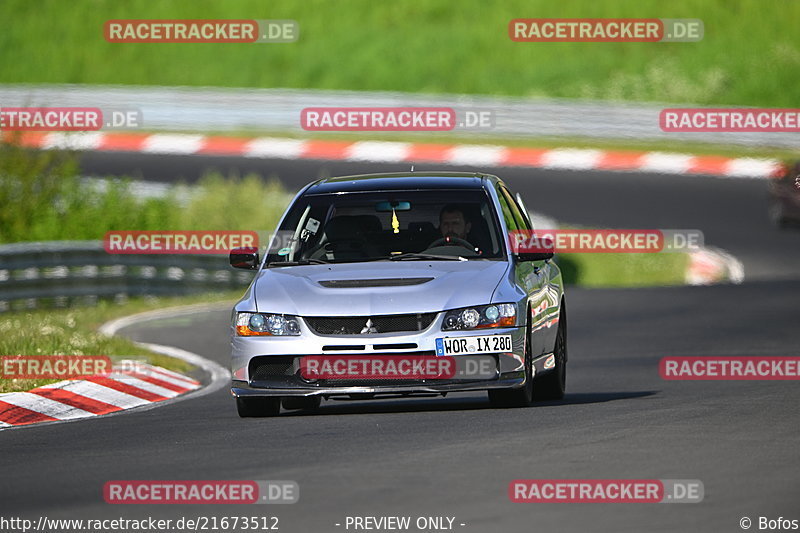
(45, 406)
(173, 144)
(387, 152)
(274, 147)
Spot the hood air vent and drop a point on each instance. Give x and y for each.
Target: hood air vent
(380, 282)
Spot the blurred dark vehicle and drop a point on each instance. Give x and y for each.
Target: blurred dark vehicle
(784, 197)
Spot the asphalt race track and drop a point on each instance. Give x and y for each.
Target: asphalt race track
(456, 456)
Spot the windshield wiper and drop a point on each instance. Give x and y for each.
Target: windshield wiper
(421, 256)
(298, 263)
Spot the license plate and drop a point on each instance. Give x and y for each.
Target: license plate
(473, 345)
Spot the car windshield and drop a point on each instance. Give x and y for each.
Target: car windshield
(391, 226)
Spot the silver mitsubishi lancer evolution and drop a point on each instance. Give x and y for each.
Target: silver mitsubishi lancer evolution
(394, 285)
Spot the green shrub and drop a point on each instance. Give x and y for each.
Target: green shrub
(44, 199)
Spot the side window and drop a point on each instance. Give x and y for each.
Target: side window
(520, 220)
(508, 214)
(524, 210)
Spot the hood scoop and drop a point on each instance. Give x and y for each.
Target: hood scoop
(379, 282)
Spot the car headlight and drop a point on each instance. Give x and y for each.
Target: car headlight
(250, 324)
(480, 317)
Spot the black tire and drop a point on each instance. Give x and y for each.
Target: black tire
(306, 403)
(523, 396)
(551, 386)
(256, 406)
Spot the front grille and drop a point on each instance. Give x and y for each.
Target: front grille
(344, 347)
(356, 382)
(266, 367)
(398, 346)
(283, 370)
(357, 325)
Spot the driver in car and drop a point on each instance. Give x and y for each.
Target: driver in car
(453, 223)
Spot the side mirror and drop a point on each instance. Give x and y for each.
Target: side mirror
(246, 258)
(534, 256)
(536, 249)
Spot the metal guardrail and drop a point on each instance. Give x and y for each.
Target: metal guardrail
(65, 273)
(212, 109)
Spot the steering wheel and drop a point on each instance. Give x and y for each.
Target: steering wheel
(447, 241)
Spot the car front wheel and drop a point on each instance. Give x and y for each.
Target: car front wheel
(552, 385)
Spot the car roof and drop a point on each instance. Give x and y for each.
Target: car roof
(402, 181)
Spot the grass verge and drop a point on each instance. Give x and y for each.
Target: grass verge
(624, 270)
(749, 54)
(74, 332)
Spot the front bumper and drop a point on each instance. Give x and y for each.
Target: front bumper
(293, 385)
(283, 379)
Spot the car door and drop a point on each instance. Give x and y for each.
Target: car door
(530, 276)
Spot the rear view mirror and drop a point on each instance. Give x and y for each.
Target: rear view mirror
(246, 258)
(385, 207)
